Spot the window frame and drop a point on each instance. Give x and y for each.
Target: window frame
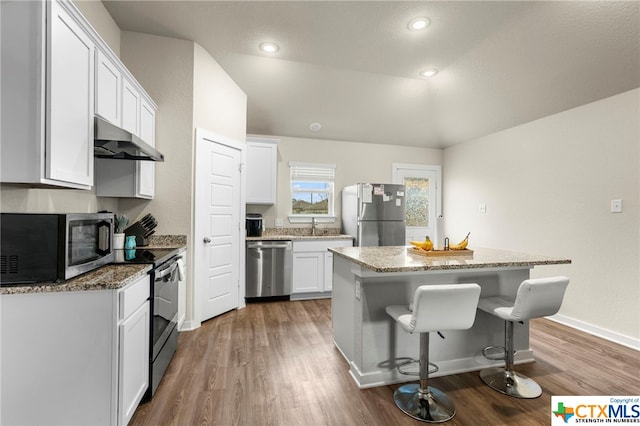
(312, 172)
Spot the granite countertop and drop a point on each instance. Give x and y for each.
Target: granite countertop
(300, 234)
(167, 241)
(300, 237)
(108, 277)
(401, 259)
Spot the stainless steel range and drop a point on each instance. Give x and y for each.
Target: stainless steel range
(165, 278)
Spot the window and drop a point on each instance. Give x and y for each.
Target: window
(311, 191)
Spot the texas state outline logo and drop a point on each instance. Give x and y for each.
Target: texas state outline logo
(570, 410)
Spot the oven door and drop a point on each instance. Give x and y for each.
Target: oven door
(165, 304)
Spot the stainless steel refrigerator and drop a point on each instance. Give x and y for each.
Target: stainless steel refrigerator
(374, 214)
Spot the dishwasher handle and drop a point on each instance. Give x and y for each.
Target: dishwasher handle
(268, 246)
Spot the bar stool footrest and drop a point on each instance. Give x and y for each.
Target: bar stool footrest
(494, 353)
(401, 368)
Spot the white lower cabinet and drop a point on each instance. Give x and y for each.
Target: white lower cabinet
(74, 357)
(133, 351)
(313, 268)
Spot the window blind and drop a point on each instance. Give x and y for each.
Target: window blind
(312, 171)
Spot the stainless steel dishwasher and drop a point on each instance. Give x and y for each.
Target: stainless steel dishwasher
(268, 271)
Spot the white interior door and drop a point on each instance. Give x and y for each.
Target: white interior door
(217, 262)
(422, 197)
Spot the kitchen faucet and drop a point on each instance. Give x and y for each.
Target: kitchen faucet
(314, 222)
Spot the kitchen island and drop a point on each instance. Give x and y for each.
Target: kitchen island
(367, 279)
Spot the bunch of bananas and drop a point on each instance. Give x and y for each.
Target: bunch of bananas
(461, 245)
(426, 245)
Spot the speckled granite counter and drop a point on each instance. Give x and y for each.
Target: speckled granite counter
(368, 279)
(108, 277)
(167, 241)
(401, 259)
(300, 234)
(300, 237)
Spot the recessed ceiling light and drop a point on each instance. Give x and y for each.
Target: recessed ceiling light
(418, 24)
(315, 127)
(429, 72)
(269, 47)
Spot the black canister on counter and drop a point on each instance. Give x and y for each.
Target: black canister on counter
(254, 225)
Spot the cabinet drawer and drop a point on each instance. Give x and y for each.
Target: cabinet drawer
(133, 296)
(319, 245)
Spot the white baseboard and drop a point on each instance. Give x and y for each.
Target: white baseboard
(189, 325)
(612, 336)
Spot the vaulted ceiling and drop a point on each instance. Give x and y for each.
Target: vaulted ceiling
(354, 66)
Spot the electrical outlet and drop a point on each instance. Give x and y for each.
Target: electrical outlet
(357, 289)
(279, 222)
(616, 206)
(482, 208)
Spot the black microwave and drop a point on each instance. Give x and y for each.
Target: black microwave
(53, 247)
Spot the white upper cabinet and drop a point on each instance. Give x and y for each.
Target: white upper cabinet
(47, 95)
(109, 89)
(262, 170)
(130, 107)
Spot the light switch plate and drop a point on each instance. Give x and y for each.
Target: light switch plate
(616, 206)
(482, 208)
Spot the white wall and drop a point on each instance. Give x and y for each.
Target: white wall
(355, 162)
(217, 99)
(547, 186)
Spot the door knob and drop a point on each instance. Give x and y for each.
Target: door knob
(206, 240)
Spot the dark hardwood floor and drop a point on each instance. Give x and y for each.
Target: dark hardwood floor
(275, 364)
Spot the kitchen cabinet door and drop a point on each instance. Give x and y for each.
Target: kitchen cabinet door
(108, 93)
(133, 346)
(130, 107)
(47, 97)
(261, 170)
(308, 272)
(70, 107)
(133, 361)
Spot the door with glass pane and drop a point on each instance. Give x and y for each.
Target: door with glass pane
(422, 198)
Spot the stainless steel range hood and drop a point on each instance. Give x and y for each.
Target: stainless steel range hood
(113, 142)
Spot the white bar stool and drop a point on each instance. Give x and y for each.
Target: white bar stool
(535, 298)
(435, 308)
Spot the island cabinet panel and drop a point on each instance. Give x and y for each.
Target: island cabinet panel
(74, 357)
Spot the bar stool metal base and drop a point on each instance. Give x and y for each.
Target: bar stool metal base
(432, 406)
(510, 383)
